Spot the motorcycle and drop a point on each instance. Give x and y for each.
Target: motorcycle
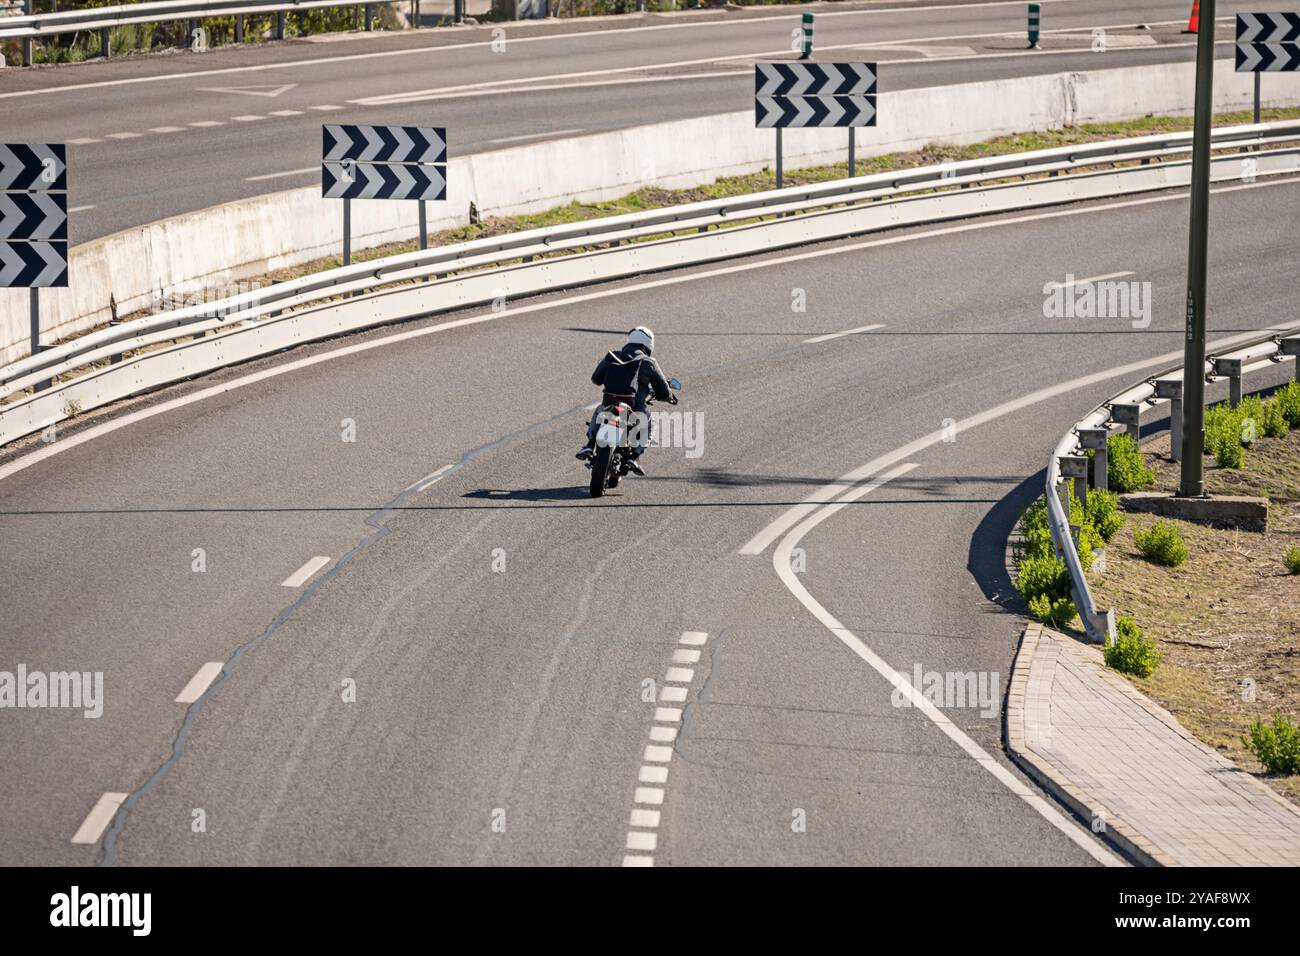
(615, 428)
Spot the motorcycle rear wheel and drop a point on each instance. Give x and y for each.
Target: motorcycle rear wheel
(600, 471)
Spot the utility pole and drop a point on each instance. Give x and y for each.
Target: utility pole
(1191, 477)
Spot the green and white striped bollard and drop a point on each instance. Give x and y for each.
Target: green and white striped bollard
(807, 36)
(1033, 25)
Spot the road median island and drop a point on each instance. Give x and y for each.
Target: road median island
(1179, 741)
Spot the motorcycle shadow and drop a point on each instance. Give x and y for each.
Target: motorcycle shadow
(569, 493)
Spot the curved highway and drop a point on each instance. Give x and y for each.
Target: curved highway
(158, 136)
(464, 679)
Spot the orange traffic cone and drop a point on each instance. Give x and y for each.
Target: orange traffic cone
(1194, 21)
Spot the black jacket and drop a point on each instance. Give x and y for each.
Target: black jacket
(631, 375)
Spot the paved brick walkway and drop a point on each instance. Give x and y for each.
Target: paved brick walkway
(1114, 756)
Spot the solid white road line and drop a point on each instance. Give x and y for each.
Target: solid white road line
(299, 577)
(520, 139)
(1074, 282)
(39, 454)
(781, 563)
(100, 816)
(290, 172)
(200, 682)
(837, 335)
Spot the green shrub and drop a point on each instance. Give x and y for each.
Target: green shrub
(1133, 652)
(1288, 399)
(1043, 574)
(1126, 468)
(1227, 450)
(1052, 612)
(1292, 559)
(1250, 419)
(1034, 529)
(1162, 544)
(1104, 514)
(1277, 745)
(1275, 423)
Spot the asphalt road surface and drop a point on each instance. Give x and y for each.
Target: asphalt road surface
(463, 679)
(157, 136)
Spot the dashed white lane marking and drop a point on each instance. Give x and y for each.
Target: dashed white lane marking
(84, 140)
(662, 731)
(97, 821)
(79, 209)
(247, 118)
(325, 109)
(124, 135)
(286, 112)
(1074, 282)
(290, 172)
(200, 682)
(300, 577)
(167, 129)
(783, 565)
(205, 124)
(838, 335)
(684, 656)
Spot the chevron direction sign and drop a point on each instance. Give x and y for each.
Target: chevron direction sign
(33, 265)
(1268, 42)
(351, 180)
(33, 215)
(39, 167)
(814, 94)
(385, 144)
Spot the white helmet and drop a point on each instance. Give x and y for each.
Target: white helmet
(642, 336)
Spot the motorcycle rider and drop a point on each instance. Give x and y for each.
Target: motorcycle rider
(629, 375)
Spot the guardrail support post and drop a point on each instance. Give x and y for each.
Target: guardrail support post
(1172, 389)
(780, 178)
(1234, 390)
(458, 11)
(1128, 415)
(279, 24)
(239, 28)
(1094, 440)
(347, 232)
(105, 43)
(853, 159)
(1291, 346)
(370, 16)
(27, 42)
(1075, 467)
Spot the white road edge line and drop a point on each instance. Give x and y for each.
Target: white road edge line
(200, 682)
(97, 821)
(782, 563)
(1074, 282)
(288, 172)
(96, 431)
(300, 577)
(836, 335)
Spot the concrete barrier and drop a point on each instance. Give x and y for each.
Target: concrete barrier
(217, 247)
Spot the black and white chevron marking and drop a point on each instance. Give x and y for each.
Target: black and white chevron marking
(385, 144)
(1268, 27)
(33, 265)
(1268, 57)
(810, 79)
(33, 215)
(360, 181)
(33, 167)
(799, 111)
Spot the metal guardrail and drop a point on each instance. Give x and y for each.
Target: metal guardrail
(1230, 359)
(196, 339)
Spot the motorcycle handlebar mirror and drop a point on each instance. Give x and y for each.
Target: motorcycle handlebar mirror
(675, 385)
